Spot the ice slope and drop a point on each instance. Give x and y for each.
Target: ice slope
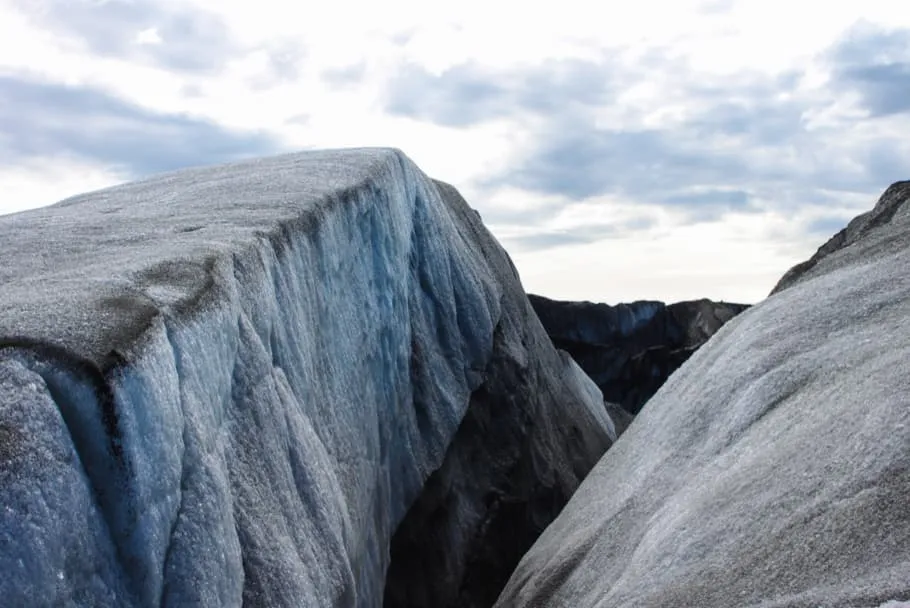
(773, 468)
(228, 385)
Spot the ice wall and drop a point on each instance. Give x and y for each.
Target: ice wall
(773, 468)
(228, 385)
(532, 431)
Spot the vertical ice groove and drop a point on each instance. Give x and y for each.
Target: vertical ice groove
(147, 398)
(168, 332)
(85, 403)
(37, 548)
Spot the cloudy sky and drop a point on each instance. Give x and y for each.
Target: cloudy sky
(656, 149)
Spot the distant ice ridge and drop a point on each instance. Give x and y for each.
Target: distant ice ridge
(228, 385)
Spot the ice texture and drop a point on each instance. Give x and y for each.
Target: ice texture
(773, 468)
(228, 385)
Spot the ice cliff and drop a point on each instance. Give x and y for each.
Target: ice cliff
(230, 386)
(773, 468)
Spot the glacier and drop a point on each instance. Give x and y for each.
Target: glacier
(773, 468)
(233, 385)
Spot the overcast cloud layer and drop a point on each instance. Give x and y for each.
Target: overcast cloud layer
(672, 150)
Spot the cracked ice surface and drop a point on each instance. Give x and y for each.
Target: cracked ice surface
(207, 392)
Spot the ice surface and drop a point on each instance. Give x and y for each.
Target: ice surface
(228, 385)
(771, 470)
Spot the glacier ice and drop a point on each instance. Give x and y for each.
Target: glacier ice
(229, 385)
(773, 468)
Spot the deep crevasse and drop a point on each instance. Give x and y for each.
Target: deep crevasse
(235, 390)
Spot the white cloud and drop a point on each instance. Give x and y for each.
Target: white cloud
(730, 260)
(276, 78)
(148, 36)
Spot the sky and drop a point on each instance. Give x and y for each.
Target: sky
(656, 149)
